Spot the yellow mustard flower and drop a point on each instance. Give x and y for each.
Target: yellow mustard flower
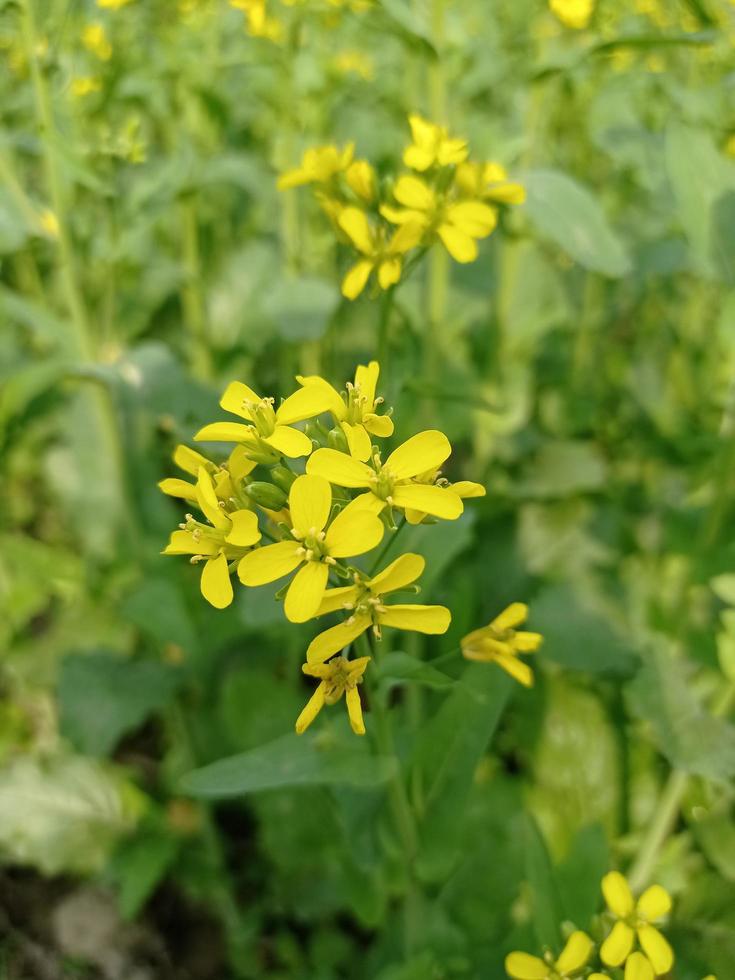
(112, 4)
(392, 484)
(319, 165)
(573, 959)
(49, 223)
(85, 85)
(336, 678)
(269, 433)
(380, 253)
(190, 461)
(360, 177)
(573, 13)
(499, 642)
(635, 919)
(355, 411)
(458, 223)
(364, 601)
(315, 544)
(94, 39)
(432, 146)
(226, 538)
(488, 182)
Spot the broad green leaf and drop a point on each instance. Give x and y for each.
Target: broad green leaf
(138, 866)
(579, 875)
(563, 468)
(566, 213)
(545, 901)
(400, 668)
(159, 609)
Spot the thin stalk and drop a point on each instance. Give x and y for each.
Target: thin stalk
(386, 307)
(390, 541)
(192, 297)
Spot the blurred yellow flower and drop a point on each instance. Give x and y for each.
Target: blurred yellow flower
(488, 182)
(338, 677)
(94, 39)
(573, 13)
(49, 223)
(638, 967)
(573, 959)
(319, 165)
(360, 177)
(432, 146)
(112, 4)
(356, 63)
(634, 919)
(380, 254)
(85, 85)
(364, 601)
(316, 543)
(499, 642)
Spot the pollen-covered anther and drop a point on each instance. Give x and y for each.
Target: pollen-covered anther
(377, 631)
(389, 500)
(184, 526)
(380, 608)
(350, 621)
(348, 605)
(321, 536)
(309, 554)
(196, 533)
(329, 560)
(301, 551)
(196, 558)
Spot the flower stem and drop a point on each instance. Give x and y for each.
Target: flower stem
(192, 298)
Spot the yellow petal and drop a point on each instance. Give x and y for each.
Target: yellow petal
(306, 591)
(331, 396)
(527, 642)
(215, 582)
(407, 236)
(378, 425)
(424, 451)
(225, 432)
(239, 464)
(412, 192)
(473, 218)
(522, 966)
(309, 500)
(184, 543)
(269, 563)
(507, 193)
(466, 488)
(429, 500)
(656, 949)
(512, 616)
(654, 903)
(423, 132)
(576, 953)
(420, 619)
(615, 888)
(174, 487)
(616, 948)
(598, 976)
(354, 711)
(517, 669)
(244, 531)
(339, 468)
(389, 272)
(358, 441)
(400, 573)
(638, 968)
(356, 278)
(306, 403)
(289, 442)
(334, 599)
(460, 246)
(207, 500)
(355, 225)
(189, 460)
(418, 158)
(336, 638)
(366, 379)
(236, 394)
(313, 706)
(452, 151)
(353, 532)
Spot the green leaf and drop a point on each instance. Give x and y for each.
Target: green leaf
(313, 759)
(399, 668)
(158, 608)
(661, 696)
(546, 905)
(301, 308)
(102, 696)
(138, 866)
(578, 877)
(567, 214)
(565, 467)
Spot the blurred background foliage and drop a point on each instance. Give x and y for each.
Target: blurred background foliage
(587, 366)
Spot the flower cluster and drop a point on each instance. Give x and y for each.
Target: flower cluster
(573, 13)
(300, 505)
(500, 642)
(442, 197)
(633, 947)
(261, 21)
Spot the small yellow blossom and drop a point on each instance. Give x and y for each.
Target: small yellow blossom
(573, 959)
(319, 165)
(380, 254)
(638, 967)
(432, 146)
(730, 145)
(85, 85)
(488, 182)
(226, 538)
(112, 4)
(356, 63)
(355, 411)
(314, 546)
(190, 461)
(393, 484)
(573, 13)
(364, 601)
(360, 176)
(49, 223)
(94, 39)
(635, 919)
(338, 677)
(499, 642)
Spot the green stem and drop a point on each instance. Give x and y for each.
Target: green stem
(191, 297)
(386, 307)
(390, 541)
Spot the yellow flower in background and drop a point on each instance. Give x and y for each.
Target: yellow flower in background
(392, 484)
(459, 224)
(360, 176)
(729, 147)
(355, 412)
(315, 545)
(432, 146)
(112, 4)
(499, 642)
(573, 13)
(94, 39)
(49, 223)
(225, 540)
(319, 165)
(338, 677)
(85, 85)
(364, 600)
(355, 63)
(573, 959)
(381, 254)
(488, 182)
(635, 919)
(269, 433)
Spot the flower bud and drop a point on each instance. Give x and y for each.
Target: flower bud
(282, 476)
(337, 440)
(266, 494)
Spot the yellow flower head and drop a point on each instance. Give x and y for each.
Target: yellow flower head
(94, 39)
(381, 253)
(190, 461)
(360, 177)
(573, 13)
(315, 544)
(338, 677)
(364, 601)
(573, 959)
(635, 919)
(432, 146)
(85, 85)
(499, 642)
(319, 165)
(355, 410)
(392, 484)
(112, 4)
(49, 223)
(458, 223)
(488, 182)
(225, 538)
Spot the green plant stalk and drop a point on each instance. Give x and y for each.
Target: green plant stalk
(192, 298)
(386, 308)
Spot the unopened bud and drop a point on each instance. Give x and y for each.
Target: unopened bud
(282, 476)
(266, 494)
(337, 440)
